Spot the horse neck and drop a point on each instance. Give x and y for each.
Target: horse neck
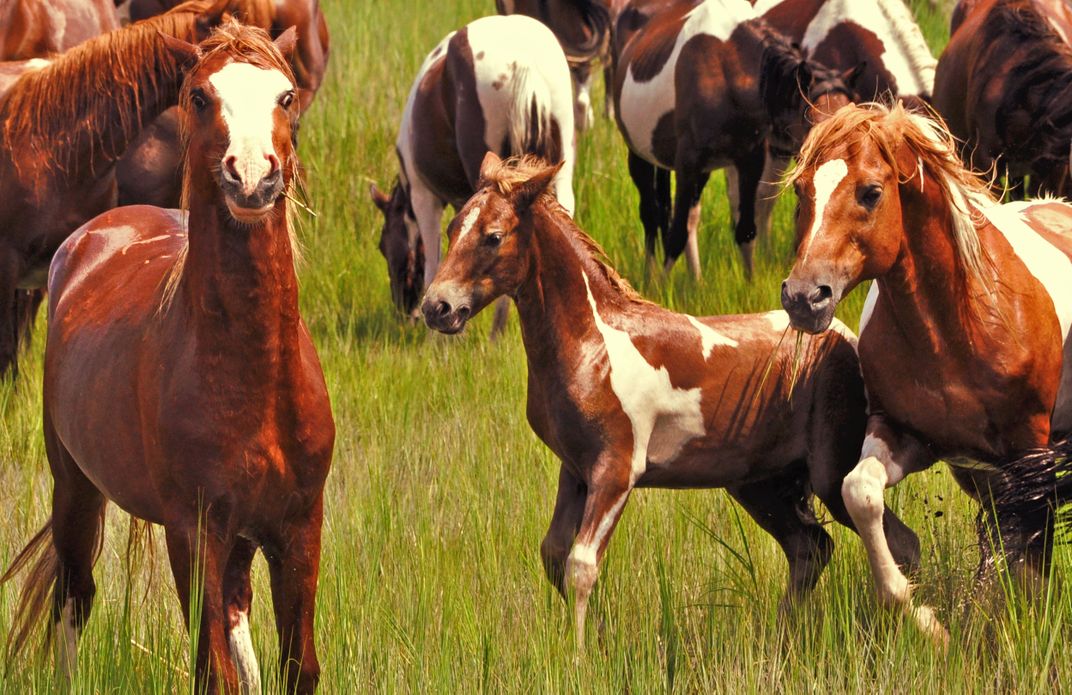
(938, 307)
(553, 301)
(239, 287)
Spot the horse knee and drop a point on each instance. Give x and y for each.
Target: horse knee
(582, 570)
(862, 492)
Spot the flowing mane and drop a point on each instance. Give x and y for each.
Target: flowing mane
(511, 172)
(935, 152)
(51, 109)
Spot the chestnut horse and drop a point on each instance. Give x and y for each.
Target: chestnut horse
(628, 394)
(38, 28)
(701, 87)
(181, 383)
(150, 171)
(62, 126)
(964, 336)
(499, 84)
(1004, 86)
(583, 29)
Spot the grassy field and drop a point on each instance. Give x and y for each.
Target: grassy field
(440, 494)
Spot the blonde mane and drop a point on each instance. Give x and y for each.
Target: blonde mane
(935, 154)
(509, 173)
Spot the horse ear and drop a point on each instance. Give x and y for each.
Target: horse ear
(286, 41)
(491, 161)
(530, 190)
(185, 53)
(380, 198)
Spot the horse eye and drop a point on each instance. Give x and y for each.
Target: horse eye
(199, 101)
(870, 196)
(494, 239)
(286, 100)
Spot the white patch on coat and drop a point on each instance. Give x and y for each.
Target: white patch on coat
(245, 659)
(905, 53)
(248, 97)
(664, 418)
(869, 306)
(66, 641)
(826, 180)
(642, 104)
(36, 64)
(1052, 268)
(469, 221)
(587, 553)
(709, 337)
(778, 320)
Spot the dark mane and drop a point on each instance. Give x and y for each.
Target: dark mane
(53, 109)
(1040, 84)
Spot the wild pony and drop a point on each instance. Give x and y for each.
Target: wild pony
(698, 88)
(963, 338)
(181, 383)
(499, 84)
(628, 394)
(62, 126)
(1004, 86)
(583, 29)
(39, 28)
(150, 171)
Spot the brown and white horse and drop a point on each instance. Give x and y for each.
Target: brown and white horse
(628, 394)
(181, 383)
(150, 172)
(583, 29)
(63, 124)
(39, 28)
(499, 84)
(964, 339)
(698, 88)
(1004, 86)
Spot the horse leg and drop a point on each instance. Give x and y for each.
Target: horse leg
(294, 566)
(10, 268)
(608, 492)
(749, 172)
(782, 507)
(884, 461)
(608, 89)
(428, 209)
(238, 599)
(583, 115)
(199, 555)
(77, 521)
(770, 185)
(691, 180)
(644, 175)
(566, 519)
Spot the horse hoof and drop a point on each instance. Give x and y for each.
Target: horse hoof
(931, 627)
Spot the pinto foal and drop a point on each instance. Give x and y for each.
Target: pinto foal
(181, 383)
(628, 394)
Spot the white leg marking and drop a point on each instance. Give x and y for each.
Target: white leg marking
(66, 641)
(827, 177)
(245, 659)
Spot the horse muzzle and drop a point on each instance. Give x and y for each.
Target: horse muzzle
(250, 203)
(810, 306)
(446, 311)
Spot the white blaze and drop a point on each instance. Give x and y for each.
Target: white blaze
(248, 98)
(827, 177)
(469, 221)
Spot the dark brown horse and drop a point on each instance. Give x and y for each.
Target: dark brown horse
(583, 29)
(38, 28)
(964, 338)
(150, 171)
(181, 383)
(62, 127)
(628, 394)
(698, 88)
(1004, 86)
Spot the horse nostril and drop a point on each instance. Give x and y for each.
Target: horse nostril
(443, 309)
(273, 164)
(229, 168)
(463, 312)
(821, 294)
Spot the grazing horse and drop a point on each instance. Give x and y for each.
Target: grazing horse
(62, 126)
(964, 335)
(181, 382)
(150, 171)
(628, 394)
(1004, 86)
(583, 29)
(38, 28)
(499, 84)
(701, 87)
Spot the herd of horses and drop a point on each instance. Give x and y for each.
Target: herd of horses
(181, 383)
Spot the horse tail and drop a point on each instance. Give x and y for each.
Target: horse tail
(530, 117)
(1033, 489)
(40, 555)
(596, 17)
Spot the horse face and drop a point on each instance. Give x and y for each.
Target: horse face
(241, 118)
(848, 219)
(402, 247)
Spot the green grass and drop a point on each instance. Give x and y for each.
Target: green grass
(440, 493)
